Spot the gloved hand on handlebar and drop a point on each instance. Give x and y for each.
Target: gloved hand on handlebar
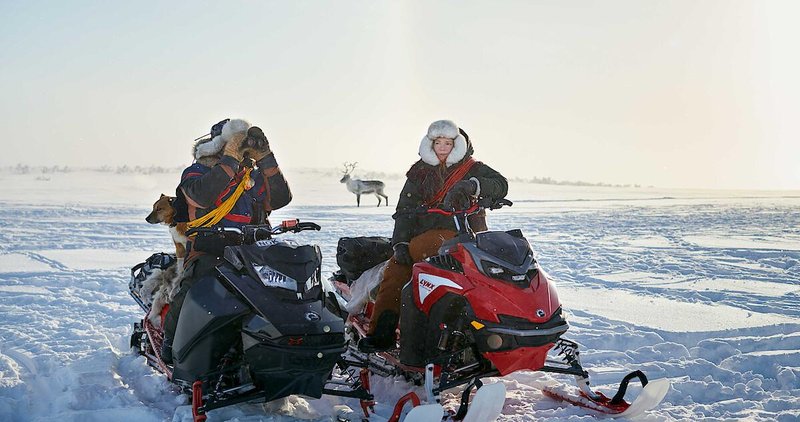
(460, 195)
(402, 255)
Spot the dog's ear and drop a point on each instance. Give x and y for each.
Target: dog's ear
(162, 195)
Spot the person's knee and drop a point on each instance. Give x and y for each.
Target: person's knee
(396, 274)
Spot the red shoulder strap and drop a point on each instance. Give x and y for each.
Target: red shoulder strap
(454, 177)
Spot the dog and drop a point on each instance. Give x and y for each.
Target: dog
(158, 289)
(164, 285)
(164, 213)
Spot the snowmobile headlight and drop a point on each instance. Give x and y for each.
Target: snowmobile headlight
(272, 278)
(495, 270)
(499, 272)
(494, 341)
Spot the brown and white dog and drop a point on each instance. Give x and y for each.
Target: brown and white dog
(164, 213)
(164, 285)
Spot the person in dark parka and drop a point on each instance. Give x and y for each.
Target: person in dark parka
(218, 169)
(446, 176)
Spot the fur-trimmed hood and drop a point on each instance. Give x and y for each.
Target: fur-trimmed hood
(444, 129)
(212, 146)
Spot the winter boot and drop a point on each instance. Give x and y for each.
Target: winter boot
(383, 338)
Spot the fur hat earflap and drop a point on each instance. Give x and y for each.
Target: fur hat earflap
(212, 146)
(443, 129)
(207, 146)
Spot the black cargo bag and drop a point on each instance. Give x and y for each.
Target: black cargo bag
(358, 254)
(140, 273)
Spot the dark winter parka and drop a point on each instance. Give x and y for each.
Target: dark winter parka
(427, 176)
(214, 177)
(205, 187)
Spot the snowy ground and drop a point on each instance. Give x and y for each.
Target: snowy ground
(700, 287)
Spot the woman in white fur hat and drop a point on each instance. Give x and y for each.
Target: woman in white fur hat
(446, 176)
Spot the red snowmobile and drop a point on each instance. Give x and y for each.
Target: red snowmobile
(482, 308)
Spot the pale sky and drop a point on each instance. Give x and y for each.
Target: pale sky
(702, 94)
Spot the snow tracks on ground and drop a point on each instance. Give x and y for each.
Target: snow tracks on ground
(702, 292)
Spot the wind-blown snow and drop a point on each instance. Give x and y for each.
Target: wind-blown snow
(700, 287)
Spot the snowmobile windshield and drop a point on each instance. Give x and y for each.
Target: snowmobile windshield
(284, 264)
(504, 246)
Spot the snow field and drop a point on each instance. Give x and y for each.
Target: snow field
(698, 287)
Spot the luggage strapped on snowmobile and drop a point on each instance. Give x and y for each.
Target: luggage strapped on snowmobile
(140, 272)
(355, 255)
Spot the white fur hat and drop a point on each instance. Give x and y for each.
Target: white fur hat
(212, 146)
(443, 129)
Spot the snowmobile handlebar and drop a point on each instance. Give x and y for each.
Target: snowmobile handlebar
(295, 226)
(460, 216)
(255, 232)
(476, 207)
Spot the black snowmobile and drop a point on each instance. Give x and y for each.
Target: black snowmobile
(261, 328)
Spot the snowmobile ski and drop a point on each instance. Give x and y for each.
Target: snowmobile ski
(426, 413)
(487, 405)
(651, 396)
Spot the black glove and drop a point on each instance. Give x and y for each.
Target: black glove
(459, 197)
(267, 162)
(256, 140)
(256, 145)
(402, 255)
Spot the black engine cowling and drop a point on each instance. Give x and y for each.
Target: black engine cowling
(266, 307)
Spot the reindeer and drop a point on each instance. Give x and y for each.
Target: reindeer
(358, 186)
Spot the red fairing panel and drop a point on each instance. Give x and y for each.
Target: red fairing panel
(430, 284)
(518, 359)
(487, 296)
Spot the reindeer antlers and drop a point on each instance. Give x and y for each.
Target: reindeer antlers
(349, 167)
